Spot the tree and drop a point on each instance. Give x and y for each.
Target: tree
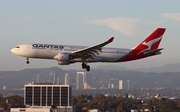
(121, 106)
(167, 105)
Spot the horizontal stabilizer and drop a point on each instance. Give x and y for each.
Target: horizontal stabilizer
(152, 52)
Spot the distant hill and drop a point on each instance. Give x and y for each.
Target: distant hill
(99, 77)
(111, 67)
(16, 79)
(175, 67)
(166, 68)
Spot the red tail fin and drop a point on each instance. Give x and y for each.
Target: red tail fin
(149, 44)
(152, 41)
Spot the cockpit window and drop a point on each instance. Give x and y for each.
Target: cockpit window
(17, 47)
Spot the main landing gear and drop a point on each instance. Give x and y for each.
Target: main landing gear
(27, 60)
(85, 66)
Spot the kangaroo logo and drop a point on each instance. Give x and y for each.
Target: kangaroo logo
(150, 43)
(62, 57)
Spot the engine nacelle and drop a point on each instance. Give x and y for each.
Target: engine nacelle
(63, 62)
(62, 57)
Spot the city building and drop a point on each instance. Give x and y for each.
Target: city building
(66, 79)
(38, 78)
(52, 77)
(94, 110)
(4, 87)
(120, 84)
(47, 94)
(80, 80)
(86, 86)
(46, 109)
(114, 82)
(112, 86)
(126, 84)
(46, 97)
(89, 79)
(84, 76)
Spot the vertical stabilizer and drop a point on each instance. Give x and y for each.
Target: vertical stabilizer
(152, 41)
(148, 47)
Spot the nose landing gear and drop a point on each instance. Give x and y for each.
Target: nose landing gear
(27, 62)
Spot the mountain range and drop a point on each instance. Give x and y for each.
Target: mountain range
(174, 67)
(163, 77)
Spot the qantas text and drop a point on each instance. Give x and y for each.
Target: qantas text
(45, 46)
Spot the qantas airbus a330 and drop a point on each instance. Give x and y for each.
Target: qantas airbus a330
(69, 54)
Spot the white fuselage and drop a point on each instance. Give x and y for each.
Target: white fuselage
(49, 51)
(68, 54)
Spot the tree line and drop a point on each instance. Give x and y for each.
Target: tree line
(83, 103)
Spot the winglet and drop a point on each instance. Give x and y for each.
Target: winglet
(110, 40)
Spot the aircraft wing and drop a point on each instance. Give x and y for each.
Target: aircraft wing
(92, 50)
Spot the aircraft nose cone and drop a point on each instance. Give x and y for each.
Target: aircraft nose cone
(13, 50)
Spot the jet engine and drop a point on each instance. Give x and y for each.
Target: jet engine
(63, 62)
(62, 57)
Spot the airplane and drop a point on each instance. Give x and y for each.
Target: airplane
(69, 54)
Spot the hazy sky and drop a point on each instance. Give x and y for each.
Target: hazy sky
(87, 23)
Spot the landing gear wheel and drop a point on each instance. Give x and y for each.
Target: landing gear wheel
(88, 68)
(27, 62)
(84, 65)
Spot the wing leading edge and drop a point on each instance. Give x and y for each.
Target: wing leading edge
(92, 50)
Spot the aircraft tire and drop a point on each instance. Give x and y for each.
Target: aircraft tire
(84, 65)
(27, 62)
(88, 68)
